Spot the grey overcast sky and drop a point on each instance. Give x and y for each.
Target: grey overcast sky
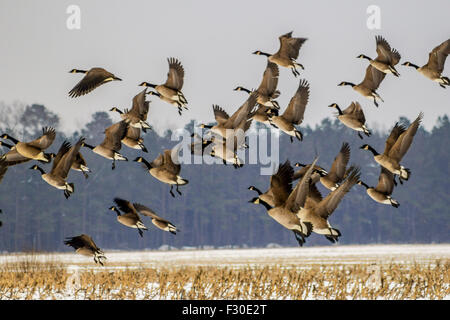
(214, 41)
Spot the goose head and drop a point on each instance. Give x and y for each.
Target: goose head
(409, 64)
(77, 71)
(363, 56)
(345, 83)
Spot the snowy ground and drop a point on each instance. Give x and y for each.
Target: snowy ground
(286, 258)
(342, 254)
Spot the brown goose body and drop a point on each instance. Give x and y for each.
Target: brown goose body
(294, 113)
(386, 58)
(435, 66)
(317, 215)
(165, 169)
(287, 53)
(93, 78)
(84, 245)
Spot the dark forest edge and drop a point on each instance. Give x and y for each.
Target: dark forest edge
(36, 216)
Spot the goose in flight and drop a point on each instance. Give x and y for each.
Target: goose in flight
(353, 118)
(318, 215)
(130, 217)
(386, 58)
(287, 202)
(267, 90)
(112, 143)
(159, 222)
(170, 91)
(83, 244)
(92, 79)
(435, 65)
(226, 126)
(166, 169)
(367, 88)
(287, 54)
(137, 115)
(382, 193)
(33, 150)
(61, 165)
(397, 144)
(293, 115)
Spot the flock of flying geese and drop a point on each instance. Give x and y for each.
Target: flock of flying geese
(302, 208)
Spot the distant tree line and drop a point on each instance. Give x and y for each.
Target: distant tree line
(214, 208)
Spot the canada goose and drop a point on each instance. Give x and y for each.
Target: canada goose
(13, 157)
(317, 172)
(133, 139)
(92, 79)
(397, 144)
(368, 86)
(171, 89)
(383, 191)
(318, 215)
(227, 125)
(263, 113)
(386, 59)
(130, 218)
(159, 222)
(78, 165)
(227, 150)
(293, 115)
(83, 244)
(199, 145)
(281, 181)
(111, 145)
(168, 100)
(165, 169)
(287, 202)
(61, 166)
(338, 169)
(267, 90)
(435, 65)
(137, 115)
(287, 53)
(352, 117)
(34, 149)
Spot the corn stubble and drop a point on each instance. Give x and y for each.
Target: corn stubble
(49, 280)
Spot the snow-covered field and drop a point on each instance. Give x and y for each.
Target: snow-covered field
(331, 272)
(341, 254)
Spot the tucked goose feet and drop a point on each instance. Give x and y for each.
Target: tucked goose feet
(360, 136)
(178, 190)
(331, 239)
(171, 192)
(299, 237)
(66, 194)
